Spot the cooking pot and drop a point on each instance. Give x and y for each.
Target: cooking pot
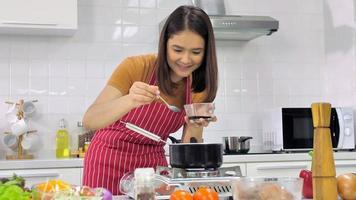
(195, 155)
(234, 144)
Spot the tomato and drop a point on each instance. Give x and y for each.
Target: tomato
(165, 189)
(204, 193)
(86, 191)
(180, 195)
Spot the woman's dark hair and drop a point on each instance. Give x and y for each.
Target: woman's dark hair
(206, 76)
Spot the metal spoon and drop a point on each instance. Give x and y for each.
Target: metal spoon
(170, 107)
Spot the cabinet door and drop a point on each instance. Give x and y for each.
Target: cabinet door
(276, 169)
(81, 175)
(34, 176)
(22, 16)
(345, 166)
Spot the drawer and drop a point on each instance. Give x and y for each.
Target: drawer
(276, 169)
(345, 166)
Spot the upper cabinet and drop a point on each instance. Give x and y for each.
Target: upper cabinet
(38, 17)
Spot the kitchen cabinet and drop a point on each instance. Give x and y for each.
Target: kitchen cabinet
(345, 166)
(38, 17)
(34, 176)
(282, 169)
(276, 169)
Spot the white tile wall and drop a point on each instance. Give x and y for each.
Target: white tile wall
(310, 58)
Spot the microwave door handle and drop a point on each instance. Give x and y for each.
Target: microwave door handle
(342, 128)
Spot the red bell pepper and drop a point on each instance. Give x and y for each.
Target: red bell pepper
(307, 183)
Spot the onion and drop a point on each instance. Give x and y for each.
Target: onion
(346, 186)
(106, 194)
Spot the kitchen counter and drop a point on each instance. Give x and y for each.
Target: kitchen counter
(41, 163)
(121, 197)
(242, 158)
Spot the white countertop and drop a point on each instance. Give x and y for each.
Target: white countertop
(245, 158)
(41, 163)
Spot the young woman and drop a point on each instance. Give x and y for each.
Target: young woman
(184, 71)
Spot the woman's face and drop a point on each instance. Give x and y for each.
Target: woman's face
(185, 53)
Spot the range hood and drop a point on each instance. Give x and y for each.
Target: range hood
(235, 27)
(238, 27)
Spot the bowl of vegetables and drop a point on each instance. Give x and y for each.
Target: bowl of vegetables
(60, 190)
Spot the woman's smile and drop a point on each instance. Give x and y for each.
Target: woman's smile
(184, 67)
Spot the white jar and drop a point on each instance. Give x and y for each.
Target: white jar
(144, 184)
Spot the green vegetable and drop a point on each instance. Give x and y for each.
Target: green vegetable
(311, 153)
(13, 189)
(3, 180)
(16, 180)
(13, 192)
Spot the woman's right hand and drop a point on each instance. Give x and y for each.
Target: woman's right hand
(142, 93)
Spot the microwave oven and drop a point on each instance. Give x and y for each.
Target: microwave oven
(291, 129)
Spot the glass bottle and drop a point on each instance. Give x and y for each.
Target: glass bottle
(62, 141)
(144, 184)
(75, 136)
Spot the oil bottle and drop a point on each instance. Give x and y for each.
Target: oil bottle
(62, 141)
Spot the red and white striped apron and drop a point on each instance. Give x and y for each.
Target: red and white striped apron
(116, 150)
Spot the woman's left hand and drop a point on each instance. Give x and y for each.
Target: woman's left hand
(201, 122)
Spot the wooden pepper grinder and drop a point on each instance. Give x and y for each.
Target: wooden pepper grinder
(323, 166)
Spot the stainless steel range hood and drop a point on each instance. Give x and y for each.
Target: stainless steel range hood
(235, 27)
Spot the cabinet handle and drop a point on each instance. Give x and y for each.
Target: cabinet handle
(28, 23)
(301, 166)
(32, 175)
(345, 165)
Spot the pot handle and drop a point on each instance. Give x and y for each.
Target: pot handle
(243, 138)
(174, 140)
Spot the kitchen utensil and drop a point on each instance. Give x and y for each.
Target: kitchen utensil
(143, 132)
(195, 155)
(323, 165)
(234, 144)
(196, 111)
(170, 107)
(267, 188)
(244, 144)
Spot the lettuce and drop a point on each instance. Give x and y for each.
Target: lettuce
(13, 192)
